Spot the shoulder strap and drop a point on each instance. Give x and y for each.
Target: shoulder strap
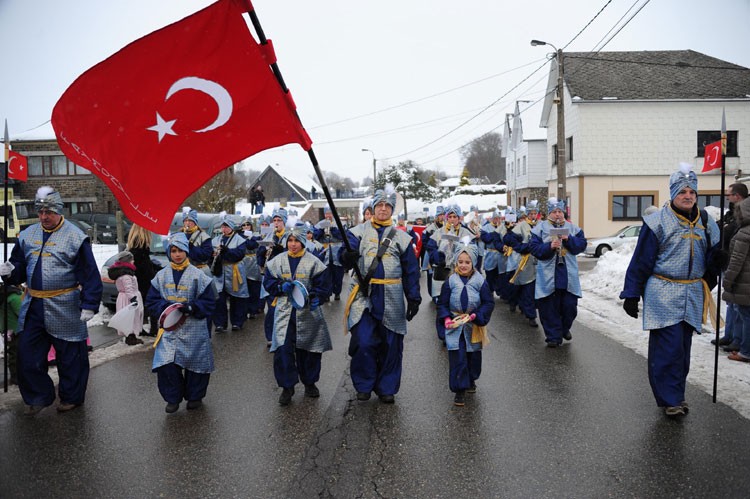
(382, 248)
(704, 221)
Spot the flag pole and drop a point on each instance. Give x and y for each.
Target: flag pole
(311, 154)
(5, 258)
(721, 247)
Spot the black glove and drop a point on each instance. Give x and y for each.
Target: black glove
(349, 258)
(134, 299)
(222, 249)
(719, 259)
(441, 259)
(631, 307)
(187, 309)
(411, 309)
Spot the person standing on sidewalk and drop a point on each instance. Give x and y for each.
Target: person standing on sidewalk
(731, 340)
(64, 290)
(737, 281)
(676, 250)
(139, 244)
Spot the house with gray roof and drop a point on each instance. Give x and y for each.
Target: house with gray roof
(631, 118)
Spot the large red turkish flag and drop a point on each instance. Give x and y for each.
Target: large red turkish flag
(162, 116)
(711, 156)
(18, 166)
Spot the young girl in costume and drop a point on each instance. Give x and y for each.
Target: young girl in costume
(464, 308)
(300, 336)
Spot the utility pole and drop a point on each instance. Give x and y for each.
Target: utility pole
(560, 101)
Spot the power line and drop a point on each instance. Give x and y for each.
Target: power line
(403, 104)
(587, 24)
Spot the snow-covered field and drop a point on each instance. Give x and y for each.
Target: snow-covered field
(599, 309)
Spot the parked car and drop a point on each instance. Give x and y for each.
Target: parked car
(86, 228)
(158, 256)
(597, 247)
(105, 225)
(205, 222)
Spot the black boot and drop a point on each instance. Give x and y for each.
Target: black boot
(286, 396)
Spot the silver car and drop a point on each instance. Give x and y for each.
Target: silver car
(597, 247)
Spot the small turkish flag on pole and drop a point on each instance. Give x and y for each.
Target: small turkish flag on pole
(162, 116)
(712, 156)
(18, 166)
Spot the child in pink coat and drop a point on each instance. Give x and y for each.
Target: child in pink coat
(123, 273)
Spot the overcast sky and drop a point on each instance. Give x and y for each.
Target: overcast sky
(393, 76)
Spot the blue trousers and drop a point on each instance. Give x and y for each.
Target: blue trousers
(526, 299)
(176, 383)
(292, 365)
(504, 287)
(268, 321)
(669, 363)
(493, 282)
(377, 354)
(464, 367)
(742, 328)
(513, 292)
(237, 312)
(254, 303)
(557, 313)
(34, 382)
(337, 278)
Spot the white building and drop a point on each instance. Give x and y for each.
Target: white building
(631, 118)
(525, 163)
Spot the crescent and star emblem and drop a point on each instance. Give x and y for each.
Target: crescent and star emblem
(714, 155)
(218, 93)
(10, 162)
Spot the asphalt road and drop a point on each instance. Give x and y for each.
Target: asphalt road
(577, 421)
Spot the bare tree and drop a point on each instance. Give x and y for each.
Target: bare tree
(483, 157)
(220, 193)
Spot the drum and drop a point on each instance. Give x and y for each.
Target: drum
(299, 296)
(172, 317)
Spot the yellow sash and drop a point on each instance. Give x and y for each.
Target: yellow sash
(521, 266)
(709, 305)
(353, 295)
(49, 293)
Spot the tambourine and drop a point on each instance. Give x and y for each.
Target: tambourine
(460, 320)
(299, 295)
(172, 317)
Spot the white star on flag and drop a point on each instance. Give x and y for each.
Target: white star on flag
(162, 127)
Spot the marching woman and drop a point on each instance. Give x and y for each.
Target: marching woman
(300, 335)
(273, 245)
(464, 293)
(183, 359)
(524, 277)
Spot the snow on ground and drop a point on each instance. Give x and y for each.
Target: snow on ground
(601, 310)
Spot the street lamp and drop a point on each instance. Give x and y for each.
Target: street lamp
(560, 101)
(373, 166)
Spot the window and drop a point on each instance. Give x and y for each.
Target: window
(57, 165)
(708, 136)
(523, 169)
(568, 151)
(709, 200)
(630, 207)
